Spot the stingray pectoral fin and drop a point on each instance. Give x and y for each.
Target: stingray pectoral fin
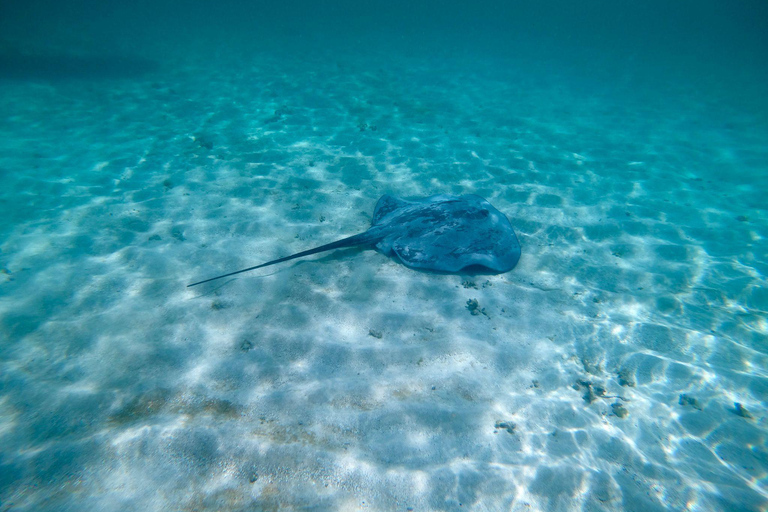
(447, 253)
(386, 205)
(359, 239)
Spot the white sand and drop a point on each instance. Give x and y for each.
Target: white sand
(347, 381)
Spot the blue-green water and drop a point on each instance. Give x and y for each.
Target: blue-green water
(145, 145)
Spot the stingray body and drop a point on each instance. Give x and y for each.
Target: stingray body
(439, 233)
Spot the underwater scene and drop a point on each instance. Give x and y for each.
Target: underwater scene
(543, 275)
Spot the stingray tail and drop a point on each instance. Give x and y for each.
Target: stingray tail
(360, 239)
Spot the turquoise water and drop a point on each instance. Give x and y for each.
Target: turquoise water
(144, 146)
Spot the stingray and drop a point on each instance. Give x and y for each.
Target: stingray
(442, 233)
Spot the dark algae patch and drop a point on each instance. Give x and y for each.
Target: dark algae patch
(687, 400)
(163, 401)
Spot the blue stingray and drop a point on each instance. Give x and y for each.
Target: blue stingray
(439, 233)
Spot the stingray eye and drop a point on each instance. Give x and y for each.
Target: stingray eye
(484, 213)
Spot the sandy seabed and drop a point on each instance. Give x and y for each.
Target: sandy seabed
(602, 373)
